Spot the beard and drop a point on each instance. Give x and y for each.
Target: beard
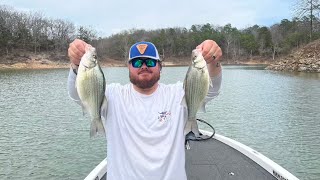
(144, 84)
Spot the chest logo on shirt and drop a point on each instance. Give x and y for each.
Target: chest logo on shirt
(164, 116)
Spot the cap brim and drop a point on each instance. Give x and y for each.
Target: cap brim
(151, 57)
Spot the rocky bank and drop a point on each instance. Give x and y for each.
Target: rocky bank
(305, 59)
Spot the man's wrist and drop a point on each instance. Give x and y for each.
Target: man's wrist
(214, 68)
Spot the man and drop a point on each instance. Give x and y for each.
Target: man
(144, 120)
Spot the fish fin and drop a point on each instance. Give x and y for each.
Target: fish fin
(104, 103)
(187, 128)
(84, 109)
(195, 129)
(184, 102)
(203, 107)
(191, 126)
(97, 127)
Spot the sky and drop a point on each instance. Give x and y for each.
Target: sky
(109, 17)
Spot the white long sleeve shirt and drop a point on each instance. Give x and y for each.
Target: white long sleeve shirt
(145, 133)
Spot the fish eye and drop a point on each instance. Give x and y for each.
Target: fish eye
(94, 56)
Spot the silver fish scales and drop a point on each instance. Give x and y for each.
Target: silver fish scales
(91, 85)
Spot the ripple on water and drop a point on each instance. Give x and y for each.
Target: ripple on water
(44, 135)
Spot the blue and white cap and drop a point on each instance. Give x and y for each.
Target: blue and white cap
(144, 49)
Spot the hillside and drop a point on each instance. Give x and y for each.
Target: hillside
(20, 59)
(43, 60)
(305, 59)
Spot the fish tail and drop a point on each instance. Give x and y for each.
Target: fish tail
(96, 127)
(192, 126)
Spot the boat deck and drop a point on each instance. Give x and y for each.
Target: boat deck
(212, 159)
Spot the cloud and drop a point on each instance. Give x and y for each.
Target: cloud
(118, 15)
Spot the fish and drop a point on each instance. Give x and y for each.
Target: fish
(196, 86)
(91, 86)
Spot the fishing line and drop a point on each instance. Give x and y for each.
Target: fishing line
(190, 136)
(213, 130)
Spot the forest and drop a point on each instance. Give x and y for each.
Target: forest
(33, 32)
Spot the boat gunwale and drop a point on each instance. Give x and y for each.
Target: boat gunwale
(273, 168)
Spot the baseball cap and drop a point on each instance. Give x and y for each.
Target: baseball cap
(143, 49)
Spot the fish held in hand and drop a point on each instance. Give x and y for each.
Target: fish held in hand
(196, 86)
(91, 85)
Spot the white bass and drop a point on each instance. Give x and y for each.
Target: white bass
(196, 87)
(91, 85)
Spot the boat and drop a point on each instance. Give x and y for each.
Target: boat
(220, 158)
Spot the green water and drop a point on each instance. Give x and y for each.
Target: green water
(43, 134)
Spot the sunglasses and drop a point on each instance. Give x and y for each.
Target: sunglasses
(137, 63)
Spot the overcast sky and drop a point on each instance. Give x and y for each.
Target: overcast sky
(112, 16)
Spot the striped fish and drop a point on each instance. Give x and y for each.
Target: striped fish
(196, 86)
(90, 85)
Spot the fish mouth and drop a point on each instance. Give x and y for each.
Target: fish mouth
(196, 52)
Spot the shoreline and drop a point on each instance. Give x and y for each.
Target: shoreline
(37, 65)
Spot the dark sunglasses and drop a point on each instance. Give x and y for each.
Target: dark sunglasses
(137, 63)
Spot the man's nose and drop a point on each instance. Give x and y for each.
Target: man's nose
(144, 66)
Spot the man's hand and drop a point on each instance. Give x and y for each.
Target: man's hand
(212, 54)
(210, 51)
(76, 51)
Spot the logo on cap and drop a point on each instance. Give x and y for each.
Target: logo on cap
(142, 48)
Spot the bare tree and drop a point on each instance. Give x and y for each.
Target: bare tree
(125, 44)
(307, 8)
(63, 33)
(229, 36)
(5, 28)
(87, 34)
(36, 24)
(276, 39)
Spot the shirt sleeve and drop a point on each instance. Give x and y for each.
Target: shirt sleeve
(214, 89)
(72, 91)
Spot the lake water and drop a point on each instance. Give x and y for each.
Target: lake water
(43, 134)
